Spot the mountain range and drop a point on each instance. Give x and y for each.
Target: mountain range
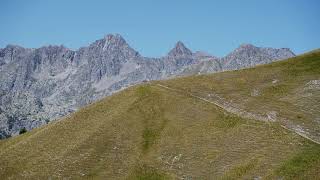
(39, 85)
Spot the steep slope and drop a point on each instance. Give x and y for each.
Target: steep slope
(41, 85)
(152, 132)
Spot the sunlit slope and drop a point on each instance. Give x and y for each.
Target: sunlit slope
(151, 132)
(287, 92)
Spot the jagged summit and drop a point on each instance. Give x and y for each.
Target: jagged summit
(248, 55)
(115, 39)
(245, 46)
(113, 44)
(180, 50)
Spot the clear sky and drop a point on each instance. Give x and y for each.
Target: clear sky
(153, 26)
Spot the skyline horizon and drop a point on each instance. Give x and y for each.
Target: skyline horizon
(172, 47)
(153, 27)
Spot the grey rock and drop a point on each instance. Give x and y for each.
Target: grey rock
(41, 85)
(248, 55)
(180, 50)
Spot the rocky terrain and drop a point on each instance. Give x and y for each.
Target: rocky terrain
(43, 84)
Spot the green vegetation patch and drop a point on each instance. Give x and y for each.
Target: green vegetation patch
(300, 163)
(150, 107)
(149, 138)
(239, 171)
(227, 121)
(276, 90)
(144, 172)
(143, 91)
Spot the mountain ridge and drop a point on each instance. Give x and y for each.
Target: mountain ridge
(38, 85)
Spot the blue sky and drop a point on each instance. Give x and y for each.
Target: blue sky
(153, 26)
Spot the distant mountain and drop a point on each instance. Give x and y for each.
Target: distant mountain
(179, 51)
(41, 85)
(248, 55)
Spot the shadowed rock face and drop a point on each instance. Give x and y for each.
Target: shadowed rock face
(40, 85)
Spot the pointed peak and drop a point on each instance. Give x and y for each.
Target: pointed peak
(246, 46)
(110, 41)
(179, 44)
(115, 38)
(115, 42)
(180, 50)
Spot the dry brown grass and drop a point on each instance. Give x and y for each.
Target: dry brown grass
(281, 87)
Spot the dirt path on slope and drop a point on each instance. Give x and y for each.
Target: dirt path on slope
(232, 108)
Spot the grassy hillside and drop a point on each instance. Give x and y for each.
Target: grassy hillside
(287, 90)
(152, 132)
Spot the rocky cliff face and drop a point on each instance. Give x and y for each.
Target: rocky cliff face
(41, 85)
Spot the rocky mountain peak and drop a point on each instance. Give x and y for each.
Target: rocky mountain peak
(115, 39)
(109, 41)
(115, 43)
(180, 50)
(111, 46)
(245, 46)
(248, 55)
